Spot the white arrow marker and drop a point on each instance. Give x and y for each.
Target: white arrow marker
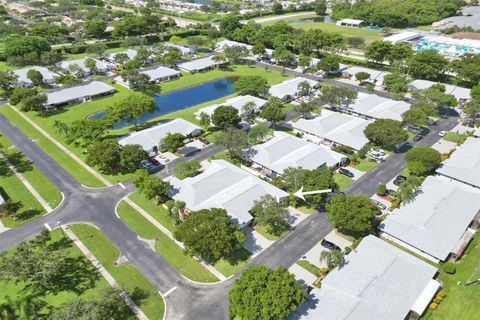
(300, 192)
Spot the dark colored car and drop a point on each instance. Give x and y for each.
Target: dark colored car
(399, 179)
(418, 137)
(204, 141)
(346, 172)
(329, 245)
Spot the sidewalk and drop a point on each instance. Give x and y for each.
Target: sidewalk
(136, 310)
(167, 232)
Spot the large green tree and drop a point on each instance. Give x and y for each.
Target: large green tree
(131, 155)
(225, 117)
(423, 159)
(229, 24)
(273, 112)
(234, 141)
(386, 133)
(271, 214)
(251, 85)
(132, 107)
(105, 154)
(151, 186)
(427, 64)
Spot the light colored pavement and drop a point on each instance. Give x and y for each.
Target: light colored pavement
(303, 276)
(295, 216)
(313, 255)
(282, 17)
(357, 173)
(111, 280)
(444, 146)
(338, 240)
(256, 243)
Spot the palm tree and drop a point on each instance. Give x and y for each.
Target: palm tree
(60, 127)
(248, 110)
(332, 258)
(219, 59)
(7, 309)
(304, 88)
(408, 189)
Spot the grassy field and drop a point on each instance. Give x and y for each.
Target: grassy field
(365, 165)
(159, 213)
(263, 231)
(64, 160)
(313, 269)
(126, 275)
(82, 273)
(342, 181)
(461, 301)
(166, 247)
(233, 263)
(455, 137)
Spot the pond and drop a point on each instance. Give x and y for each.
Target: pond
(182, 99)
(325, 19)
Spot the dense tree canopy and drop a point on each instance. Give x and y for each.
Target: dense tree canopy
(423, 159)
(262, 293)
(22, 50)
(151, 186)
(251, 85)
(427, 64)
(271, 214)
(386, 133)
(234, 141)
(186, 169)
(225, 117)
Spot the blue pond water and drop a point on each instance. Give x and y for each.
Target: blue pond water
(182, 99)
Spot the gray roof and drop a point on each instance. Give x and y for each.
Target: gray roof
(459, 92)
(100, 65)
(184, 50)
(337, 127)
(229, 43)
(289, 87)
(477, 133)
(48, 76)
(151, 137)
(377, 282)
(131, 53)
(464, 163)
(155, 74)
(375, 75)
(198, 64)
(470, 18)
(224, 185)
(284, 151)
(93, 88)
(436, 219)
(235, 102)
(376, 107)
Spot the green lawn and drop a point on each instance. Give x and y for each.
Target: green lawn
(263, 231)
(63, 159)
(233, 263)
(223, 155)
(366, 165)
(342, 181)
(313, 269)
(126, 275)
(88, 280)
(368, 35)
(167, 248)
(159, 213)
(455, 137)
(461, 302)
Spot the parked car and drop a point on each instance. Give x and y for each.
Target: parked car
(379, 204)
(346, 172)
(418, 137)
(442, 133)
(329, 245)
(147, 165)
(399, 179)
(204, 141)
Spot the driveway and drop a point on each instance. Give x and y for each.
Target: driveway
(295, 217)
(255, 243)
(304, 277)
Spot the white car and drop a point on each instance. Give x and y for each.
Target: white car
(442, 133)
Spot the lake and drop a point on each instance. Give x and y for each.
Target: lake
(326, 19)
(182, 99)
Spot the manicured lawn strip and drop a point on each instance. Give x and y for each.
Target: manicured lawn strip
(235, 262)
(21, 289)
(461, 302)
(342, 181)
(159, 213)
(263, 231)
(455, 137)
(64, 160)
(126, 275)
(306, 210)
(223, 155)
(306, 15)
(305, 264)
(166, 247)
(365, 165)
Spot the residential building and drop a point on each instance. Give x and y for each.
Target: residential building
(23, 81)
(439, 223)
(224, 185)
(464, 163)
(403, 36)
(461, 94)
(372, 106)
(149, 139)
(377, 281)
(477, 133)
(220, 46)
(334, 128)
(235, 102)
(288, 89)
(287, 151)
(82, 93)
(156, 75)
(352, 23)
(201, 64)
(341, 67)
(184, 50)
(376, 76)
(79, 69)
(131, 53)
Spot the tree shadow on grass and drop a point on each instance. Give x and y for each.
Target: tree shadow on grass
(28, 214)
(238, 256)
(20, 162)
(138, 295)
(4, 169)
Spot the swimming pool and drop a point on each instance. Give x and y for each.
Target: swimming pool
(446, 49)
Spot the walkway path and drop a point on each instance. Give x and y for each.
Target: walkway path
(285, 16)
(110, 279)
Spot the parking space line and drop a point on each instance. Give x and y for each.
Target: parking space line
(166, 294)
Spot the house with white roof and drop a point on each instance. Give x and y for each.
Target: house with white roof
(439, 223)
(236, 102)
(131, 54)
(351, 23)
(377, 282)
(22, 74)
(149, 139)
(376, 76)
(287, 151)
(201, 64)
(288, 89)
(221, 45)
(184, 50)
(156, 75)
(464, 163)
(314, 62)
(82, 93)
(403, 36)
(372, 106)
(224, 185)
(461, 94)
(83, 71)
(334, 128)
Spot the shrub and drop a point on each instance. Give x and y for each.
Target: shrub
(348, 250)
(441, 294)
(433, 306)
(324, 270)
(381, 189)
(437, 301)
(449, 267)
(343, 149)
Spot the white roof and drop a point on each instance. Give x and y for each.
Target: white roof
(151, 137)
(131, 53)
(477, 133)
(47, 75)
(472, 43)
(377, 282)
(224, 185)
(377, 107)
(93, 88)
(375, 75)
(337, 127)
(458, 92)
(198, 64)
(235, 102)
(100, 65)
(351, 21)
(405, 35)
(426, 297)
(229, 43)
(284, 151)
(464, 163)
(160, 72)
(289, 87)
(436, 219)
(184, 50)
